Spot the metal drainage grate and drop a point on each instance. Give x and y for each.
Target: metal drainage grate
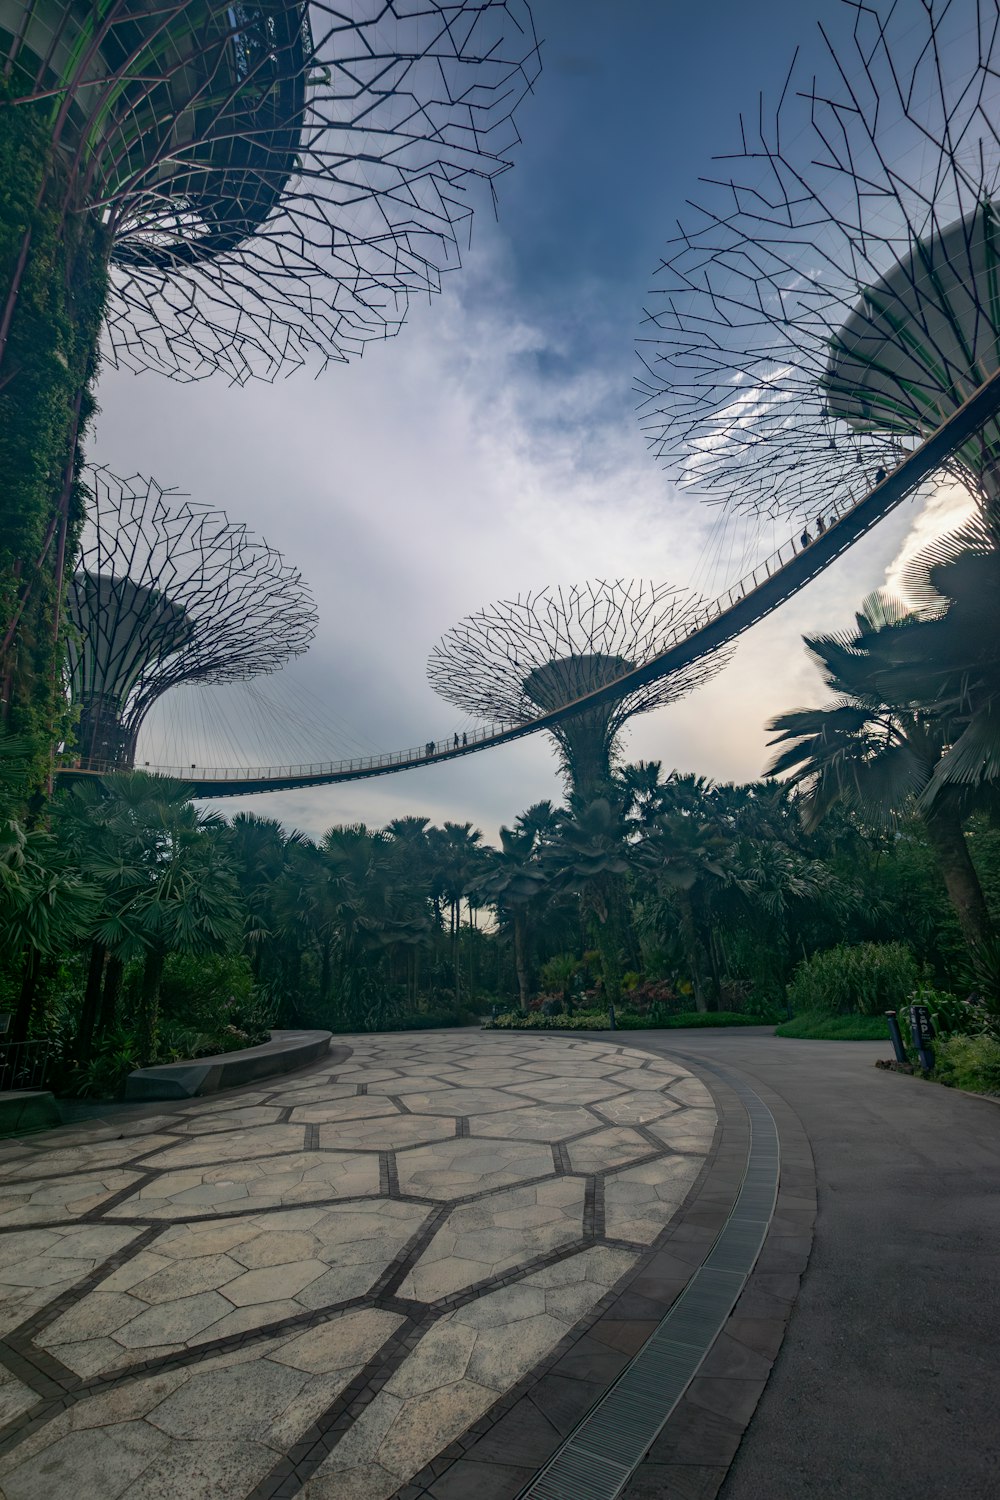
(603, 1451)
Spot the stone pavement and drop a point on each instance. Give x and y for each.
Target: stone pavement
(319, 1287)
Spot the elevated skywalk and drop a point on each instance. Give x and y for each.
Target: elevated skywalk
(749, 600)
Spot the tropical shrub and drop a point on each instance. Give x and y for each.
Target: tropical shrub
(968, 1062)
(864, 978)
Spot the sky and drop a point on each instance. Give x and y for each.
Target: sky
(492, 447)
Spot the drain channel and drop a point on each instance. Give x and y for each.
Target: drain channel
(603, 1451)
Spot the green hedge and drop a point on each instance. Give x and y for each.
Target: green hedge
(414, 1021)
(598, 1021)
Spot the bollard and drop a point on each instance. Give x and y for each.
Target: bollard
(895, 1036)
(922, 1031)
(611, 1016)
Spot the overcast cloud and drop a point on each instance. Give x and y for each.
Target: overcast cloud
(492, 449)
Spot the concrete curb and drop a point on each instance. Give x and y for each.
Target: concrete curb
(286, 1051)
(26, 1110)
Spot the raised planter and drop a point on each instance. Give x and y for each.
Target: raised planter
(286, 1051)
(25, 1110)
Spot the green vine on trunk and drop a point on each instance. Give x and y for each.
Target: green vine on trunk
(53, 265)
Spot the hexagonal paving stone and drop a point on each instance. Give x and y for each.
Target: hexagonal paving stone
(687, 1130)
(457, 1101)
(535, 1122)
(637, 1108)
(37, 1164)
(569, 1070)
(208, 1432)
(568, 1091)
(316, 1093)
(608, 1148)
(456, 1168)
(199, 1283)
(37, 1265)
(232, 1145)
(235, 1119)
(214, 1429)
(457, 1370)
(485, 1238)
(487, 1078)
(55, 1198)
(386, 1133)
(242, 1187)
(641, 1201)
(361, 1107)
(409, 1083)
(691, 1091)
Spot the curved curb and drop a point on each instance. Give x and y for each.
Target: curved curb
(501, 1456)
(286, 1051)
(599, 1457)
(693, 1454)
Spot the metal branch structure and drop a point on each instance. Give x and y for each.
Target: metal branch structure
(169, 591)
(219, 185)
(834, 295)
(274, 178)
(521, 658)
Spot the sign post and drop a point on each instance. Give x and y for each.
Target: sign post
(923, 1033)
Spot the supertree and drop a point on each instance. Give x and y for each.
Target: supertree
(833, 297)
(520, 659)
(235, 186)
(169, 591)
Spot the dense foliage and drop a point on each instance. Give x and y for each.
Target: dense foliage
(136, 927)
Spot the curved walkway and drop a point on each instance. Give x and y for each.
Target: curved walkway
(315, 1286)
(885, 1387)
(423, 1268)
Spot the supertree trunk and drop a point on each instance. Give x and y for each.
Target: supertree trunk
(53, 267)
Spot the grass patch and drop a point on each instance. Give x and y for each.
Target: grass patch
(813, 1026)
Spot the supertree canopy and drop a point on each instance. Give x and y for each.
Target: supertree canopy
(168, 591)
(833, 296)
(273, 178)
(519, 659)
(218, 186)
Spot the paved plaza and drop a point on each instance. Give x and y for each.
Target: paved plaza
(316, 1286)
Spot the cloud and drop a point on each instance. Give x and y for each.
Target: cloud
(471, 459)
(946, 509)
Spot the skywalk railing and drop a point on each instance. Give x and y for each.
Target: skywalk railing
(766, 586)
(453, 745)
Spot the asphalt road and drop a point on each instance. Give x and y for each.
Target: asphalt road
(888, 1381)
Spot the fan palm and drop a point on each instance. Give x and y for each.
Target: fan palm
(875, 749)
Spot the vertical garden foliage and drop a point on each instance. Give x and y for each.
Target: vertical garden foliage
(58, 259)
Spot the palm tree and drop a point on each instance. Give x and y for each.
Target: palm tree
(590, 855)
(260, 851)
(167, 884)
(685, 850)
(456, 847)
(516, 881)
(948, 660)
(412, 844)
(875, 749)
